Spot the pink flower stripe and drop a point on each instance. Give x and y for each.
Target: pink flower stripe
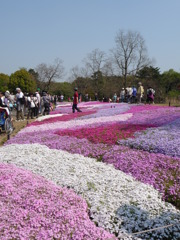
(108, 134)
(61, 118)
(156, 115)
(140, 108)
(34, 208)
(78, 123)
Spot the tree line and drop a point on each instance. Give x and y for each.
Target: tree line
(125, 65)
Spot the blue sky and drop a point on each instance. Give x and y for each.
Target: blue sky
(38, 31)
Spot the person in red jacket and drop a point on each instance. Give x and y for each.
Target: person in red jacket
(75, 101)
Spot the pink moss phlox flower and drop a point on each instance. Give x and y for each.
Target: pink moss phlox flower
(61, 118)
(34, 208)
(78, 123)
(150, 114)
(108, 134)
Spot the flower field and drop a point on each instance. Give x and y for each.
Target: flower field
(109, 172)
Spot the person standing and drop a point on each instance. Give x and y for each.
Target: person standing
(39, 102)
(150, 95)
(46, 103)
(122, 95)
(115, 98)
(134, 92)
(86, 97)
(55, 100)
(8, 100)
(36, 110)
(140, 92)
(20, 101)
(31, 106)
(2, 103)
(75, 101)
(62, 97)
(80, 97)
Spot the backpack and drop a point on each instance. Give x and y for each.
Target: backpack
(2, 118)
(134, 91)
(150, 92)
(22, 100)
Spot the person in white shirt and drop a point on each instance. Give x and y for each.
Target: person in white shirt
(62, 97)
(122, 95)
(9, 101)
(3, 105)
(150, 95)
(31, 106)
(20, 101)
(39, 101)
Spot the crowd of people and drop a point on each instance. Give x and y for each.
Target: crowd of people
(135, 95)
(34, 104)
(30, 105)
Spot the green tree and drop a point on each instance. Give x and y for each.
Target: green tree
(83, 84)
(22, 79)
(170, 80)
(98, 82)
(150, 77)
(64, 88)
(148, 73)
(4, 80)
(34, 76)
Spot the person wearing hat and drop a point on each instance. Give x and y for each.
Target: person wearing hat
(8, 100)
(140, 92)
(45, 103)
(75, 101)
(38, 96)
(20, 105)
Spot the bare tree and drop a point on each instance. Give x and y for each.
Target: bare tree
(130, 53)
(77, 72)
(108, 68)
(94, 61)
(48, 74)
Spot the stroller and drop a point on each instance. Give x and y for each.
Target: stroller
(5, 121)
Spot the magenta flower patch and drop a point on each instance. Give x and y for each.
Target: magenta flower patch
(67, 117)
(108, 134)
